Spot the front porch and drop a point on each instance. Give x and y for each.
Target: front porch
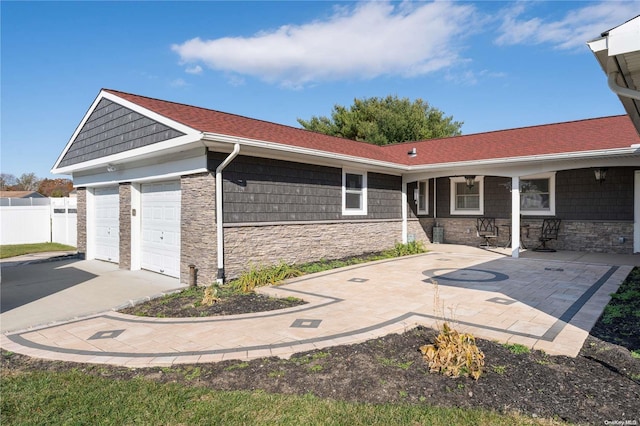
(599, 208)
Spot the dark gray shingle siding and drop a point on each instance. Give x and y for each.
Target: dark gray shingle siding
(112, 129)
(265, 190)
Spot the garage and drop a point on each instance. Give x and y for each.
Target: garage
(107, 223)
(160, 246)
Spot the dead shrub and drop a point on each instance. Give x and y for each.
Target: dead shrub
(454, 354)
(210, 296)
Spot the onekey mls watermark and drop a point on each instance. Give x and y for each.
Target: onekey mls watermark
(621, 422)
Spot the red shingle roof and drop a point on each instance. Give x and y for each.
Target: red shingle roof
(575, 136)
(207, 120)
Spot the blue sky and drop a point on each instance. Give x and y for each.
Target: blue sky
(492, 65)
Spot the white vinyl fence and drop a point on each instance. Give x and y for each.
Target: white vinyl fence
(38, 220)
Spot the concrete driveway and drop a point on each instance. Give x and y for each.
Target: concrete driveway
(542, 303)
(34, 294)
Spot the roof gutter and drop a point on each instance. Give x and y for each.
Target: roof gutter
(219, 212)
(619, 90)
(217, 137)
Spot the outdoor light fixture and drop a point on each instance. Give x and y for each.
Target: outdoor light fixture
(601, 174)
(412, 153)
(111, 168)
(470, 180)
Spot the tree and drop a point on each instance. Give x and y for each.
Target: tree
(26, 182)
(55, 187)
(7, 181)
(384, 121)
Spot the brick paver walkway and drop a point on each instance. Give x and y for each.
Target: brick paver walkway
(541, 303)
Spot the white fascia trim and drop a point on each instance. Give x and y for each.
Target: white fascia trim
(216, 137)
(154, 178)
(633, 149)
(190, 133)
(598, 45)
(129, 155)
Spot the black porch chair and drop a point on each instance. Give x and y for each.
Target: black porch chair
(549, 231)
(486, 228)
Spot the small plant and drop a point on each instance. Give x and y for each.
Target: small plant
(500, 369)
(388, 362)
(636, 354)
(414, 247)
(276, 374)
(315, 368)
(264, 275)
(517, 348)
(403, 394)
(454, 354)
(238, 366)
(210, 296)
(193, 373)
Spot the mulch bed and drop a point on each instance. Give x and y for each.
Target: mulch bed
(601, 384)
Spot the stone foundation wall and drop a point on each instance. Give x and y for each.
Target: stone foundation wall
(198, 230)
(597, 236)
(574, 235)
(421, 229)
(81, 224)
(299, 243)
(125, 225)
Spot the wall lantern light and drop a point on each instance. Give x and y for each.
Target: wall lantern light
(470, 180)
(601, 174)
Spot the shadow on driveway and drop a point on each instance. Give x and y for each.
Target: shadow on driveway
(27, 283)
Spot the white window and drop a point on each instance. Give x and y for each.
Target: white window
(465, 199)
(423, 197)
(538, 195)
(354, 193)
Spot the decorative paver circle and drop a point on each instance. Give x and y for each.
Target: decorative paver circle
(466, 275)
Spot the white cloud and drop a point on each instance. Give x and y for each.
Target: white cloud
(197, 69)
(367, 40)
(572, 31)
(178, 82)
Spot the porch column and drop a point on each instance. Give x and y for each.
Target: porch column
(515, 217)
(404, 211)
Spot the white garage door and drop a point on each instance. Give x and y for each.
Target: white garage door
(107, 223)
(161, 228)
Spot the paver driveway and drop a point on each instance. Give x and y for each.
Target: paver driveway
(544, 304)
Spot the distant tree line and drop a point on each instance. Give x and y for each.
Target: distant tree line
(30, 182)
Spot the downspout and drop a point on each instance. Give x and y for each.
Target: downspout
(619, 90)
(404, 210)
(219, 213)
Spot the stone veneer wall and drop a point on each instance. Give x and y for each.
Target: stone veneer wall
(198, 227)
(421, 229)
(125, 225)
(81, 224)
(574, 235)
(304, 242)
(597, 236)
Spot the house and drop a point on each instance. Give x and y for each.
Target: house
(21, 194)
(162, 186)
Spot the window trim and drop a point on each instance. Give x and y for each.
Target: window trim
(471, 212)
(363, 193)
(425, 211)
(552, 195)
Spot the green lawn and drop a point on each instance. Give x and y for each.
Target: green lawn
(78, 398)
(11, 250)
